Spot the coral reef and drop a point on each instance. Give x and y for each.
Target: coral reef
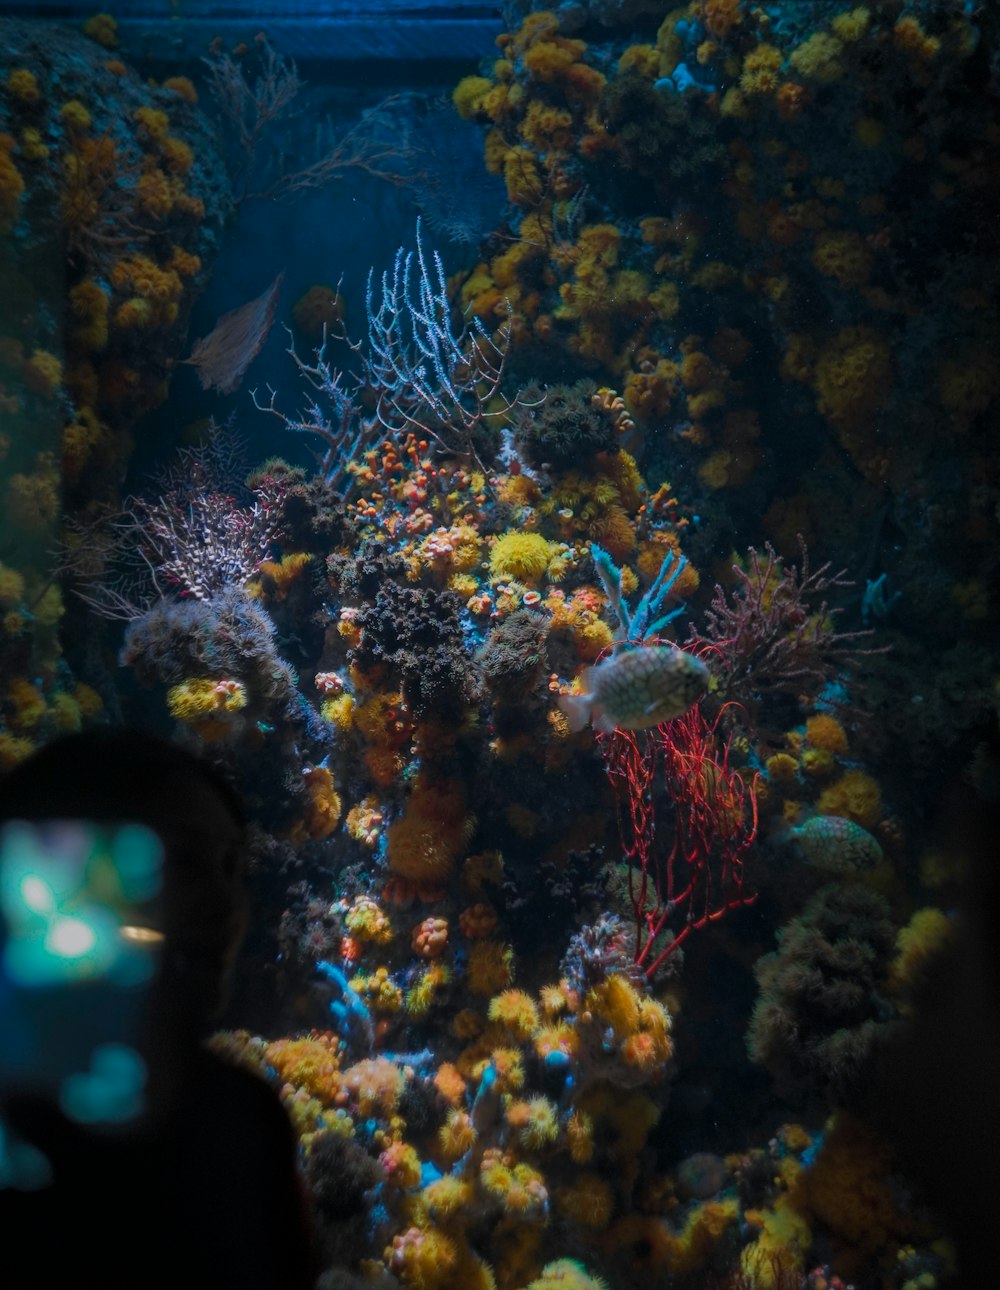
(823, 1004)
(724, 320)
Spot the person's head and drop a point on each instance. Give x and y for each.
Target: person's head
(111, 776)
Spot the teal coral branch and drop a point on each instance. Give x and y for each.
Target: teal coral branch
(636, 627)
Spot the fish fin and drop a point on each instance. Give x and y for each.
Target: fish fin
(780, 833)
(576, 709)
(602, 722)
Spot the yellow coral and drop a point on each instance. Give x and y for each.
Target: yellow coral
(43, 373)
(826, 732)
(367, 921)
(852, 25)
(277, 577)
(323, 804)
(490, 967)
(818, 762)
(88, 303)
(11, 587)
(446, 1198)
(13, 748)
(11, 184)
(33, 147)
(183, 87)
(49, 608)
(818, 58)
(715, 471)
(853, 375)
(154, 121)
(22, 85)
(309, 1063)
(422, 1258)
(524, 556)
(177, 155)
(65, 712)
(26, 703)
(379, 989)
(918, 943)
(469, 94)
(199, 697)
(339, 710)
(424, 844)
(777, 1256)
(423, 994)
(909, 35)
(456, 1135)
(74, 115)
(856, 796)
(102, 28)
(843, 255)
(516, 1012)
(615, 1001)
(760, 70)
(535, 1121)
(566, 1274)
(135, 313)
(32, 503)
(781, 767)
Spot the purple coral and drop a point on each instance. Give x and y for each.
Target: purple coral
(774, 633)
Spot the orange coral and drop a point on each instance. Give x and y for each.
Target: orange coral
(310, 1063)
(826, 732)
(376, 1084)
(721, 16)
(856, 796)
(424, 844)
(430, 937)
(477, 921)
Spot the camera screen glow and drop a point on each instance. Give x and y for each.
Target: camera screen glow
(72, 896)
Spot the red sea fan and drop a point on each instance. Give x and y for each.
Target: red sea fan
(687, 868)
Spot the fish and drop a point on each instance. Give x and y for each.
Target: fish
(834, 845)
(636, 688)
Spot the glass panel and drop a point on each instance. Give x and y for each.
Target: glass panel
(543, 464)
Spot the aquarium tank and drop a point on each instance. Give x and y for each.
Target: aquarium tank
(546, 458)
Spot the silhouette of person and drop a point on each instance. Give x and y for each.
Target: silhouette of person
(934, 1094)
(200, 1185)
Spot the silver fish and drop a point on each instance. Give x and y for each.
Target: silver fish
(636, 688)
(836, 845)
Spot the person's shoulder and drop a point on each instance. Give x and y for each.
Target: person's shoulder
(235, 1095)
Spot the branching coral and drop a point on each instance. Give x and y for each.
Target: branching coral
(418, 633)
(770, 637)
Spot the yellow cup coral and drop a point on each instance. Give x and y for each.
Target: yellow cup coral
(856, 796)
(535, 1121)
(490, 967)
(524, 556)
(22, 85)
(422, 1258)
(516, 1012)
